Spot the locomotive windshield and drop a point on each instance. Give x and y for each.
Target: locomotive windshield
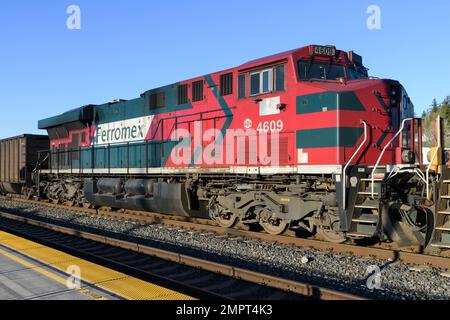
(309, 70)
(357, 72)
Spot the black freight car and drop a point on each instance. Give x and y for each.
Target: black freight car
(18, 158)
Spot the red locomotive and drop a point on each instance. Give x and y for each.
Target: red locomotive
(303, 140)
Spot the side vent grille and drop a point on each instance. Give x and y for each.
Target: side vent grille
(157, 100)
(197, 91)
(226, 84)
(183, 94)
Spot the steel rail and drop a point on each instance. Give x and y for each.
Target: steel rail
(303, 289)
(202, 225)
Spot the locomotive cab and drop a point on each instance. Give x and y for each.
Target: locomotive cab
(334, 89)
(327, 63)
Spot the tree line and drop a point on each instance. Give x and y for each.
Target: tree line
(428, 119)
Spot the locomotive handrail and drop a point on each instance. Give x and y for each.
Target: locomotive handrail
(344, 174)
(145, 141)
(177, 117)
(382, 154)
(160, 128)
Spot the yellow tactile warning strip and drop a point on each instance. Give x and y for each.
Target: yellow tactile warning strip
(50, 275)
(107, 279)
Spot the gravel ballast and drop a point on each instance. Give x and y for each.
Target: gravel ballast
(337, 271)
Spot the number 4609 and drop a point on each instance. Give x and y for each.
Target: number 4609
(272, 126)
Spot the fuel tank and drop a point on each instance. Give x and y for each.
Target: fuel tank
(139, 187)
(142, 195)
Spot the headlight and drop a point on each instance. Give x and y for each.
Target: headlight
(408, 157)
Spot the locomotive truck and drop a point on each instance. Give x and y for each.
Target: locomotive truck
(301, 140)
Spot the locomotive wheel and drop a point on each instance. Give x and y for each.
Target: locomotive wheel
(332, 236)
(29, 193)
(228, 221)
(222, 216)
(327, 227)
(275, 229)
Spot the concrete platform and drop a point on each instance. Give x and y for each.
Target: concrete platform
(20, 282)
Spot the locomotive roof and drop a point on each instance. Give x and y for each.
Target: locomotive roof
(85, 112)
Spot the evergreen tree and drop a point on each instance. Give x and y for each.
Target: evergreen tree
(434, 106)
(442, 109)
(429, 117)
(445, 109)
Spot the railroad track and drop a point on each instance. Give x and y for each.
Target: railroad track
(196, 277)
(202, 225)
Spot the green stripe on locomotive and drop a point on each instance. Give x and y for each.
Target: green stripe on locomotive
(328, 137)
(317, 102)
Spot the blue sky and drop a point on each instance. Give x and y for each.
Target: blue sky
(127, 47)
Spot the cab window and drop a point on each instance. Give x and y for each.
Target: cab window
(406, 141)
(242, 87)
(261, 82)
(267, 81)
(309, 70)
(357, 72)
(279, 78)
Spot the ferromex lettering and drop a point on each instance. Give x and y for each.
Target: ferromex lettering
(130, 130)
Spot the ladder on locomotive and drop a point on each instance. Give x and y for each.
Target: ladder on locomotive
(366, 219)
(441, 236)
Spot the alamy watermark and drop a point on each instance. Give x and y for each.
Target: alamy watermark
(374, 19)
(73, 282)
(73, 21)
(373, 281)
(235, 147)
